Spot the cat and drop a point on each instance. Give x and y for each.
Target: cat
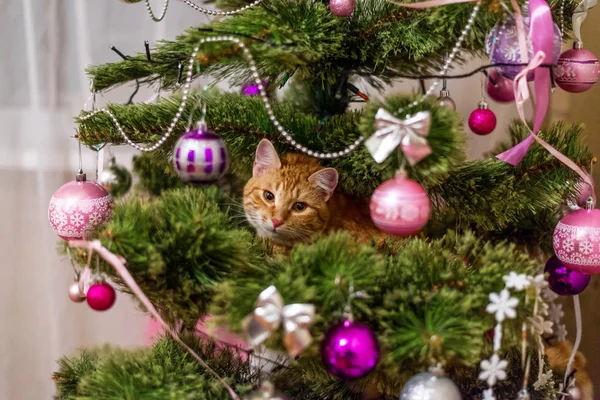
(290, 199)
(558, 358)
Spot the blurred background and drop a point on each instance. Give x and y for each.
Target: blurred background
(44, 50)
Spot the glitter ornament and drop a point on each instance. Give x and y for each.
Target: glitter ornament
(431, 385)
(101, 296)
(577, 69)
(446, 101)
(499, 88)
(116, 179)
(482, 120)
(78, 207)
(200, 156)
(400, 206)
(341, 8)
(502, 45)
(349, 350)
(564, 281)
(576, 241)
(251, 89)
(74, 294)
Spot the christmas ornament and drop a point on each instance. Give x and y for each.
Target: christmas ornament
(410, 134)
(499, 88)
(576, 241)
(585, 190)
(432, 385)
(400, 206)
(482, 120)
(101, 296)
(116, 179)
(266, 391)
(78, 207)
(574, 393)
(577, 69)
(270, 313)
(502, 45)
(75, 294)
(131, 1)
(523, 395)
(251, 89)
(201, 156)
(341, 8)
(564, 281)
(446, 101)
(349, 350)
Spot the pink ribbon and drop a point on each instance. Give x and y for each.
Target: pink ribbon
(118, 263)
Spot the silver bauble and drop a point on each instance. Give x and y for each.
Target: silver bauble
(74, 294)
(523, 395)
(130, 1)
(429, 386)
(266, 391)
(574, 393)
(446, 101)
(116, 179)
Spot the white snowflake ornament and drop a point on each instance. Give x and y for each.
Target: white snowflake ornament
(538, 282)
(516, 281)
(502, 305)
(542, 380)
(555, 312)
(488, 394)
(493, 370)
(540, 325)
(549, 294)
(561, 332)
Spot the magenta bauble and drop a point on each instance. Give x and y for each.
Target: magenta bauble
(400, 206)
(482, 120)
(576, 241)
(78, 207)
(499, 88)
(349, 350)
(101, 296)
(577, 70)
(341, 8)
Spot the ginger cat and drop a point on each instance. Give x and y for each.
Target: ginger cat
(558, 358)
(289, 200)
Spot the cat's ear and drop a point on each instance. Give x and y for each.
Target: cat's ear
(326, 180)
(266, 158)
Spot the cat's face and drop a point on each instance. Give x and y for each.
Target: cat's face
(288, 202)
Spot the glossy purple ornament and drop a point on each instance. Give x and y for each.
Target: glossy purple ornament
(349, 350)
(564, 281)
(341, 8)
(502, 45)
(499, 88)
(482, 120)
(201, 156)
(577, 70)
(101, 296)
(252, 89)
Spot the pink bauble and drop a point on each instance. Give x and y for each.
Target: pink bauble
(482, 120)
(341, 8)
(77, 207)
(577, 70)
(576, 241)
(400, 206)
(101, 296)
(499, 88)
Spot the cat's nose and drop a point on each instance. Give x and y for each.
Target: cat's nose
(276, 222)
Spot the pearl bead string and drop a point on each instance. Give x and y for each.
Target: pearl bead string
(197, 8)
(561, 17)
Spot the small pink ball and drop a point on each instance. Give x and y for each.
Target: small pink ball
(482, 121)
(502, 91)
(576, 241)
(400, 206)
(101, 296)
(341, 8)
(577, 70)
(77, 207)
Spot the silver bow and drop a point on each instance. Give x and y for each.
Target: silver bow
(410, 134)
(580, 14)
(268, 315)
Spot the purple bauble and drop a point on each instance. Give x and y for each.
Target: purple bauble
(502, 89)
(341, 8)
(400, 206)
(252, 89)
(502, 45)
(576, 241)
(564, 281)
(577, 70)
(201, 156)
(482, 120)
(101, 296)
(78, 207)
(349, 350)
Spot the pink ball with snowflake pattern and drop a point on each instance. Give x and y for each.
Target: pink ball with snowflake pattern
(78, 207)
(400, 206)
(576, 241)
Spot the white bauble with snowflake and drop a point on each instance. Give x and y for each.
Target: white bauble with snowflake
(576, 241)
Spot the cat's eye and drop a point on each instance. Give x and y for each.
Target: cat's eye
(299, 206)
(269, 196)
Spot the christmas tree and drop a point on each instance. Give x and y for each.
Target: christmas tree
(458, 295)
